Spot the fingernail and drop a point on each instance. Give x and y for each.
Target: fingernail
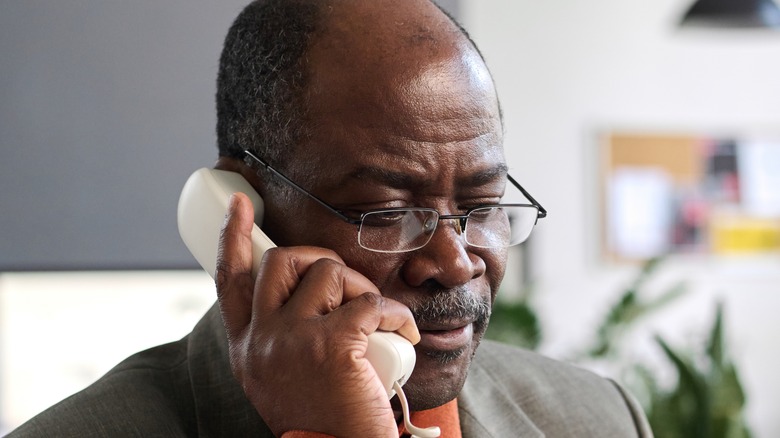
(232, 202)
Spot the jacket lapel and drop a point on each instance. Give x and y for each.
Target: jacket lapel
(486, 411)
(221, 406)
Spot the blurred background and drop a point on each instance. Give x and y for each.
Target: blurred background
(654, 145)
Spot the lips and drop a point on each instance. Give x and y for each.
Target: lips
(449, 337)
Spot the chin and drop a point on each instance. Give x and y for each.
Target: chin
(437, 378)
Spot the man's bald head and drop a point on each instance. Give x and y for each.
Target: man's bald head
(264, 67)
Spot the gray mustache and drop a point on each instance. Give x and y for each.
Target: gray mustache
(442, 305)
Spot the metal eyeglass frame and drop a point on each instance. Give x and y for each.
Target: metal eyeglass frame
(461, 218)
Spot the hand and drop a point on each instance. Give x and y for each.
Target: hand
(298, 335)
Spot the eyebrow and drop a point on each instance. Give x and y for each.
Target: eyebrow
(407, 181)
(486, 176)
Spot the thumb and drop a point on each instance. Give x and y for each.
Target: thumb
(233, 276)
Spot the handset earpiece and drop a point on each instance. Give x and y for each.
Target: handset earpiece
(203, 204)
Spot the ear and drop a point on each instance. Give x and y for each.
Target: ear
(229, 164)
(238, 166)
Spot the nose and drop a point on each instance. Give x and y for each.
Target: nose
(446, 258)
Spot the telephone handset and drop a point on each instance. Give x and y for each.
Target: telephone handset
(202, 208)
(201, 212)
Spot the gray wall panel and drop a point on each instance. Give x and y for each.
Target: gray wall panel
(105, 109)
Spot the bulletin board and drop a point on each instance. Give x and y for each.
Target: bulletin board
(688, 193)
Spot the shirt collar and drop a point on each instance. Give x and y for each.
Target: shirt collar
(445, 416)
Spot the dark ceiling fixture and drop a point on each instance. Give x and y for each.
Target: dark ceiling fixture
(733, 14)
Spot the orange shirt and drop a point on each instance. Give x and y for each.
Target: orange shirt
(445, 416)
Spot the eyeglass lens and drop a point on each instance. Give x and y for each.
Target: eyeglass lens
(410, 229)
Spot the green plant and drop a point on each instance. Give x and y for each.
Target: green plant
(707, 398)
(629, 310)
(515, 323)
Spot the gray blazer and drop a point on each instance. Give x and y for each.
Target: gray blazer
(186, 389)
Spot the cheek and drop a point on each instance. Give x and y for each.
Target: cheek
(382, 269)
(310, 225)
(291, 227)
(495, 266)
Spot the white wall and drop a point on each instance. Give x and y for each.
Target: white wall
(566, 69)
(61, 331)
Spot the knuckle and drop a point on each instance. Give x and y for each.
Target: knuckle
(276, 253)
(333, 278)
(372, 302)
(329, 269)
(372, 299)
(223, 272)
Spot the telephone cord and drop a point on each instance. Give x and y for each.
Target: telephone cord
(417, 432)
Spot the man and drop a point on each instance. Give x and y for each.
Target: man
(372, 131)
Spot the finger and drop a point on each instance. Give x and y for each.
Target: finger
(281, 272)
(332, 278)
(233, 275)
(325, 286)
(322, 283)
(371, 312)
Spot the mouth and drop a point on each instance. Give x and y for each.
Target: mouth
(449, 320)
(449, 337)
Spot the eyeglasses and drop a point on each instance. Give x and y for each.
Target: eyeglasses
(395, 230)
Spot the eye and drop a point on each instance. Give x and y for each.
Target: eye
(476, 203)
(483, 213)
(384, 218)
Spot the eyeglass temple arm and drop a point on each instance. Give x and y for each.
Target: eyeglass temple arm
(300, 189)
(542, 212)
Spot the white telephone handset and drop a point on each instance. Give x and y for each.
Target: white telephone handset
(201, 213)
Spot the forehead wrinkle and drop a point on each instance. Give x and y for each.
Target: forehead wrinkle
(421, 167)
(412, 182)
